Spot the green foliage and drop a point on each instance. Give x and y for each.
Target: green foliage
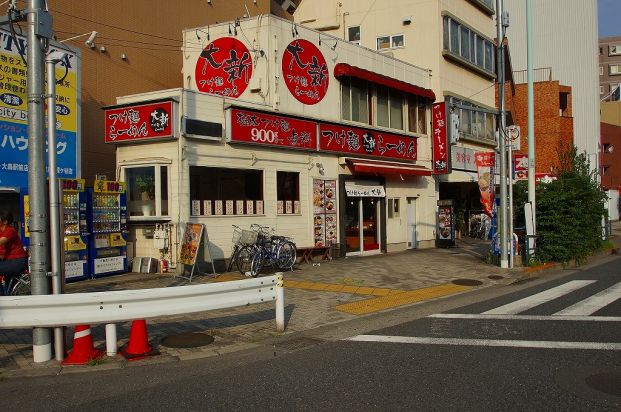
(569, 211)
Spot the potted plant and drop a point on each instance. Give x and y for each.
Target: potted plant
(146, 186)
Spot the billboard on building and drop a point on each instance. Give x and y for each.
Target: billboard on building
(14, 112)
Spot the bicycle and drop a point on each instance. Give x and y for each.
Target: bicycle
(278, 251)
(241, 238)
(15, 285)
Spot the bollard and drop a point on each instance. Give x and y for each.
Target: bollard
(280, 303)
(111, 342)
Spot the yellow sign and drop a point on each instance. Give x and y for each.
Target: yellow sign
(108, 186)
(74, 243)
(116, 239)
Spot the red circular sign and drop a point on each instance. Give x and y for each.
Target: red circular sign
(305, 71)
(224, 68)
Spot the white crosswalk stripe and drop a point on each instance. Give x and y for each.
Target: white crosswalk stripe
(539, 298)
(594, 303)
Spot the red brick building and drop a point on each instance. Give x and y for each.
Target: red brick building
(553, 116)
(610, 159)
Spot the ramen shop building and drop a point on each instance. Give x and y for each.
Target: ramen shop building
(323, 140)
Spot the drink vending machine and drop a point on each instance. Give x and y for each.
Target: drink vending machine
(108, 227)
(75, 226)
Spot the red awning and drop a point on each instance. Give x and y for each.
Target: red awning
(344, 69)
(375, 167)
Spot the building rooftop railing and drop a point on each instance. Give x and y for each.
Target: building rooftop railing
(543, 74)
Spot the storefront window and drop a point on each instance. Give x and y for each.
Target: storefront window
(224, 191)
(147, 191)
(288, 192)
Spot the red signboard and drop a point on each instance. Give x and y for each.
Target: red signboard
(140, 122)
(305, 71)
(354, 140)
(520, 166)
(273, 130)
(224, 68)
(440, 140)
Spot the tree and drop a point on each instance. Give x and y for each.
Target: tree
(569, 210)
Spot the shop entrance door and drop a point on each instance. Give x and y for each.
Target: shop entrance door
(362, 229)
(411, 226)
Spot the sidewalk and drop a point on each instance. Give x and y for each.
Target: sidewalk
(324, 293)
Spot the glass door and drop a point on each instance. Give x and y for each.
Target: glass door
(362, 232)
(352, 225)
(370, 226)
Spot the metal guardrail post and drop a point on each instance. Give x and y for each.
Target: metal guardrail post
(111, 341)
(280, 302)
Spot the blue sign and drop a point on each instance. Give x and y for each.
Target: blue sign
(14, 154)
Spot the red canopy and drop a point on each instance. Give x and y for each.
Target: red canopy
(366, 166)
(344, 69)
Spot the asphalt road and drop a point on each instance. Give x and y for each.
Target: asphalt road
(548, 345)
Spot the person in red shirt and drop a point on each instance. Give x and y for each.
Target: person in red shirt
(13, 257)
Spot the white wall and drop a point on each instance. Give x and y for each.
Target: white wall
(564, 38)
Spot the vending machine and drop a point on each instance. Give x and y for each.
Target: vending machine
(75, 225)
(108, 227)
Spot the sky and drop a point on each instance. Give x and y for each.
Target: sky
(609, 17)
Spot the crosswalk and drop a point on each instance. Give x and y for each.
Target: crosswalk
(570, 297)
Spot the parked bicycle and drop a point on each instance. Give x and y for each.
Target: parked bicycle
(15, 285)
(480, 225)
(268, 249)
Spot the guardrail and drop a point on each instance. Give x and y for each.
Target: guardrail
(126, 305)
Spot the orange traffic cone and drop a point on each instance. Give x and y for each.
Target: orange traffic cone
(83, 351)
(138, 346)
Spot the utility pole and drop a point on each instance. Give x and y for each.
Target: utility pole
(500, 68)
(39, 33)
(531, 119)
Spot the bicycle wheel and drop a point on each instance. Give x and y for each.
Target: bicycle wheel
(244, 258)
(233, 258)
(286, 255)
(256, 264)
(20, 286)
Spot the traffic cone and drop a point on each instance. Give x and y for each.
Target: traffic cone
(138, 346)
(83, 351)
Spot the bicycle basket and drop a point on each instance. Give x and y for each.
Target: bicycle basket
(248, 237)
(236, 235)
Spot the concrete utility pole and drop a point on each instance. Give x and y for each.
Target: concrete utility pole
(531, 117)
(500, 69)
(39, 32)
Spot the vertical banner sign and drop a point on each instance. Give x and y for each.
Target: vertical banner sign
(224, 68)
(520, 166)
(14, 115)
(441, 147)
(485, 169)
(305, 71)
(190, 242)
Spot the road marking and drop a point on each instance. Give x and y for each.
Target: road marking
(539, 298)
(526, 317)
(594, 303)
(488, 342)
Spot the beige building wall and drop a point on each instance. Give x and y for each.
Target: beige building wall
(423, 35)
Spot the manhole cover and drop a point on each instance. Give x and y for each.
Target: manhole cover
(607, 382)
(495, 277)
(467, 282)
(187, 340)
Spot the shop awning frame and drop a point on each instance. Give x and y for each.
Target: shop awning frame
(346, 70)
(376, 167)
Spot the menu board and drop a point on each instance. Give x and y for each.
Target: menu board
(445, 223)
(190, 242)
(324, 212)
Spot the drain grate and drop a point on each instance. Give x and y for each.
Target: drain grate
(298, 343)
(467, 282)
(187, 340)
(607, 382)
(495, 277)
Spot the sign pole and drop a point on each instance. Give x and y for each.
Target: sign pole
(502, 212)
